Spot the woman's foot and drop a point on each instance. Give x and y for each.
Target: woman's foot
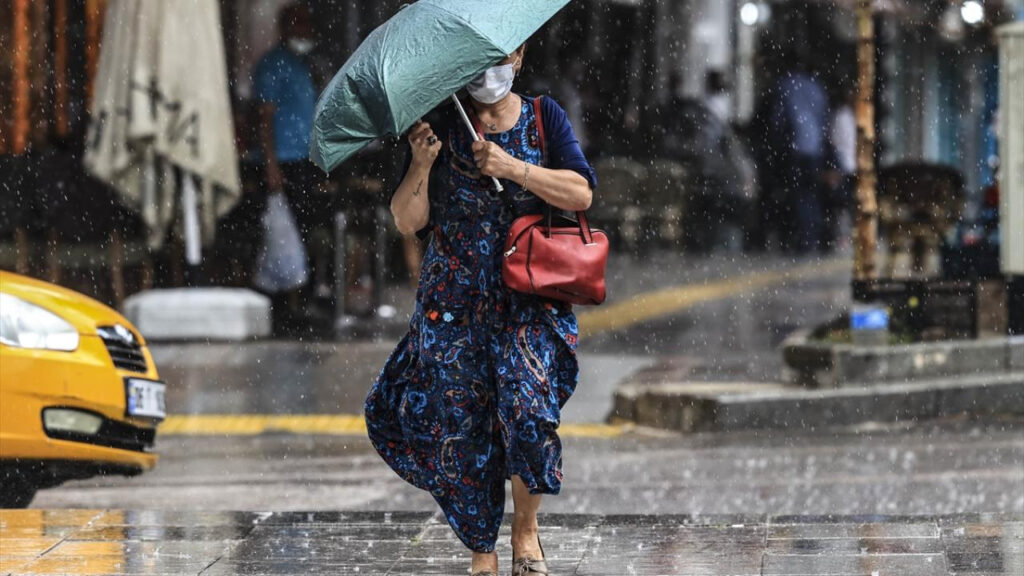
(484, 564)
(527, 554)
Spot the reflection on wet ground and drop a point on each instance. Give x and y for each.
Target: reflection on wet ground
(312, 543)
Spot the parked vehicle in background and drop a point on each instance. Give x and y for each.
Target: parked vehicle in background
(79, 393)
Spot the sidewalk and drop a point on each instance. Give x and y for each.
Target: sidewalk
(379, 543)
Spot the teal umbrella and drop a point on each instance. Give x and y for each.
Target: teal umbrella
(410, 64)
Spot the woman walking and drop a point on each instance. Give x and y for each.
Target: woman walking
(471, 396)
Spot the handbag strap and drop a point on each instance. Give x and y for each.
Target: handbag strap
(538, 116)
(581, 216)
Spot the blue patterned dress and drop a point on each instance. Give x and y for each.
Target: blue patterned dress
(472, 394)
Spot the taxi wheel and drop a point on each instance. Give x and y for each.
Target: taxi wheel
(16, 492)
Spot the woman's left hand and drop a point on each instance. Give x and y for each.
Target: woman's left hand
(492, 160)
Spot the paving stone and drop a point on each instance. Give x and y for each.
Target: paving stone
(983, 544)
(27, 546)
(177, 518)
(855, 546)
(108, 564)
(124, 532)
(858, 530)
(855, 565)
(10, 564)
(51, 518)
(332, 517)
(307, 567)
(673, 549)
(340, 531)
(375, 543)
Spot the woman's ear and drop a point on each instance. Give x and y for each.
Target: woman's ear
(519, 53)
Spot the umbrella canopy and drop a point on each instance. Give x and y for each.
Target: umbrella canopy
(425, 53)
(161, 102)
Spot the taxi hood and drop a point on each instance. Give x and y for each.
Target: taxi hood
(81, 311)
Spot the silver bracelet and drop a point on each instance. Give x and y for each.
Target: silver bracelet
(526, 177)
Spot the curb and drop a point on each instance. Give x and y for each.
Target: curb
(824, 365)
(735, 406)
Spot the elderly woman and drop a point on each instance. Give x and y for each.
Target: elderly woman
(471, 396)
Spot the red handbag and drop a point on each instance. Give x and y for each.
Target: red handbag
(565, 262)
(562, 260)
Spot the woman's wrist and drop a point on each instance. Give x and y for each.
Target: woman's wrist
(517, 172)
(421, 165)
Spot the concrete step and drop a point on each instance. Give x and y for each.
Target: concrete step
(730, 406)
(817, 364)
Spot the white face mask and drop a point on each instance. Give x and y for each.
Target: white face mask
(494, 84)
(301, 46)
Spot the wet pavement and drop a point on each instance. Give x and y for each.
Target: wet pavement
(949, 468)
(394, 543)
(230, 501)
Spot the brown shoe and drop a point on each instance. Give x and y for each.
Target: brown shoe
(527, 565)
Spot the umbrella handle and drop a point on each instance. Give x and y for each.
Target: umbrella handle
(472, 130)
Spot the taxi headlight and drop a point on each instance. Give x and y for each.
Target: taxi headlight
(29, 326)
(68, 420)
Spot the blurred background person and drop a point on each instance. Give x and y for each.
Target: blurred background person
(286, 92)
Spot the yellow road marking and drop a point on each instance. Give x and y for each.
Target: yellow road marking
(650, 305)
(610, 318)
(328, 424)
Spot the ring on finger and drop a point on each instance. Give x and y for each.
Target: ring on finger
(432, 140)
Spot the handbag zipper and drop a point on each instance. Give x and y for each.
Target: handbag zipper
(515, 247)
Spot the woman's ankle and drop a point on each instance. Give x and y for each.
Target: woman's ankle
(484, 561)
(526, 538)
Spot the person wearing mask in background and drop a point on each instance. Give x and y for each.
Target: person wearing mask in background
(841, 177)
(285, 91)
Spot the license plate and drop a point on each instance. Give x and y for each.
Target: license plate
(145, 398)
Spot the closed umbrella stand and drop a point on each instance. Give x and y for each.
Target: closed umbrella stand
(161, 135)
(161, 106)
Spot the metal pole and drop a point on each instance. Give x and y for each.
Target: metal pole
(866, 215)
(343, 322)
(380, 239)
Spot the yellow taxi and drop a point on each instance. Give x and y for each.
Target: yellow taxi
(79, 393)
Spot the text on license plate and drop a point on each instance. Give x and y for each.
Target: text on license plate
(145, 398)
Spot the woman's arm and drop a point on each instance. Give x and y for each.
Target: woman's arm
(410, 205)
(563, 189)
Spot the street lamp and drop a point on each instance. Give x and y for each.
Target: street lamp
(750, 14)
(972, 12)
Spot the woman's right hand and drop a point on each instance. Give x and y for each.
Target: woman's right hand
(425, 145)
